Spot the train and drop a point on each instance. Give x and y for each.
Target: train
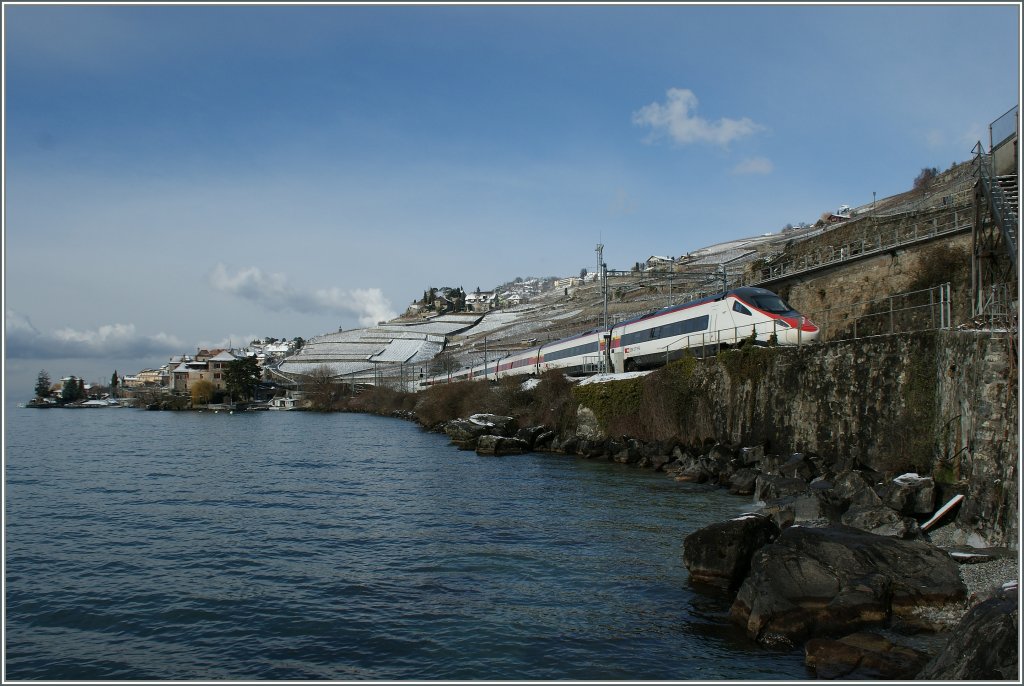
(651, 340)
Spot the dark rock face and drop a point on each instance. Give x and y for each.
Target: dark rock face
(984, 645)
(838, 579)
(720, 554)
(862, 656)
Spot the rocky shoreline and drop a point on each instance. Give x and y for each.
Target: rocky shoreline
(833, 558)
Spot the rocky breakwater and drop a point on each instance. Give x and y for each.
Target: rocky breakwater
(490, 434)
(851, 565)
(847, 566)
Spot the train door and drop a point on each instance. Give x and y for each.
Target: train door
(743, 317)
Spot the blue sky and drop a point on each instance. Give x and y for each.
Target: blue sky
(182, 176)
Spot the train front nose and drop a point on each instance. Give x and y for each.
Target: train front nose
(801, 330)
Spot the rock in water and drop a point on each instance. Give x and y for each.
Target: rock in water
(836, 580)
(720, 554)
(862, 656)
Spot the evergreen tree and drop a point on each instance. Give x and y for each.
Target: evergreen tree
(71, 390)
(42, 384)
(241, 377)
(113, 384)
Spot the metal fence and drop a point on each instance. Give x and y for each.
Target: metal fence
(1002, 129)
(922, 310)
(952, 222)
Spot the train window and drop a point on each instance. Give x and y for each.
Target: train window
(769, 302)
(738, 307)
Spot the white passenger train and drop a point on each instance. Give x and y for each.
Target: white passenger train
(651, 340)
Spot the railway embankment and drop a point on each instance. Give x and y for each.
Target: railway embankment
(863, 440)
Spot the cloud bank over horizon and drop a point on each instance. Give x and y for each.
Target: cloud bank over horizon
(25, 341)
(274, 292)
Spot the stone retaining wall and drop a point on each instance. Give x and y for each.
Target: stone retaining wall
(940, 403)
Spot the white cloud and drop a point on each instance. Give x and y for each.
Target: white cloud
(274, 292)
(754, 165)
(25, 341)
(677, 118)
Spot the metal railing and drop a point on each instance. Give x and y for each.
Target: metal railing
(922, 310)
(1002, 129)
(883, 241)
(1003, 211)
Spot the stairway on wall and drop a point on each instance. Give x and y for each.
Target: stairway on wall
(1009, 221)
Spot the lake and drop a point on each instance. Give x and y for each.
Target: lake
(300, 546)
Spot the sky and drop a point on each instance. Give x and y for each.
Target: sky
(186, 176)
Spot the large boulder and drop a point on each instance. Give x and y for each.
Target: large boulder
(743, 481)
(496, 424)
(845, 490)
(499, 445)
(770, 487)
(720, 554)
(529, 434)
(837, 580)
(797, 467)
(984, 645)
(464, 433)
(910, 494)
(588, 427)
(881, 520)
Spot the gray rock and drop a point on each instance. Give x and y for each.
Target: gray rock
(773, 487)
(751, 456)
(499, 445)
(464, 433)
(545, 440)
(743, 481)
(910, 494)
(496, 424)
(881, 520)
(530, 434)
(796, 467)
(834, 580)
(588, 428)
(984, 645)
(720, 554)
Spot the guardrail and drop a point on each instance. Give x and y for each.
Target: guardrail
(921, 310)
(883, 241)
(1004, 212)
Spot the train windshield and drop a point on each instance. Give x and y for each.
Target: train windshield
(769, 302)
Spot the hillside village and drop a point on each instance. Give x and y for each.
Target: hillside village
(833, 271)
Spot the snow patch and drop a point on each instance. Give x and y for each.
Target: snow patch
(530, 384)
(605, 378)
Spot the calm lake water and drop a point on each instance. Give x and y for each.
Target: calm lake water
(298, 546)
